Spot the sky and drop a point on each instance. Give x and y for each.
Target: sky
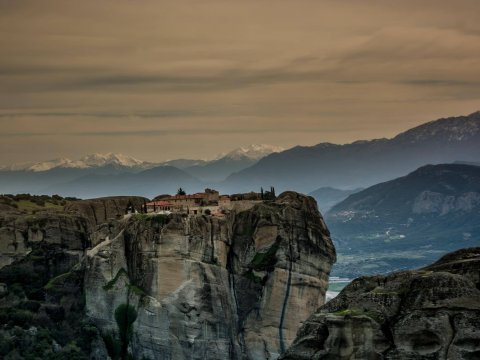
(161, 80)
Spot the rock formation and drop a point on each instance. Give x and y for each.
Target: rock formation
(79, 225)
(209, 287)
(430, 313)
(42, 252)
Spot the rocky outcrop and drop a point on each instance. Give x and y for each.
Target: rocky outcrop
(20, 233)
(42, 251)
(79, 225)
(207, 287)
(431, 313)
(102, 210)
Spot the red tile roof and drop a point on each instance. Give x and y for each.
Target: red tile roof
(159, 203)
(184, 197)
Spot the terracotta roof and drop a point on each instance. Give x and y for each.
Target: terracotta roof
(159, 203)
(184, 197)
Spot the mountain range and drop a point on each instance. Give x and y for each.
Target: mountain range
(302, 168)
(364, 163)
(409, 221)
(86, 162)
(112, 174)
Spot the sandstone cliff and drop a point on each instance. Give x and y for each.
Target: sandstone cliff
(205, 287)
(431, 313)
(42, 252)
(73, 228)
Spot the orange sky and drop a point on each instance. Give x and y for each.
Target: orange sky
(168, 79)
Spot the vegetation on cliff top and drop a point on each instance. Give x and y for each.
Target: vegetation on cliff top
(32, 203)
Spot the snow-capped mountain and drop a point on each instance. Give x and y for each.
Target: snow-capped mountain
(97, 160)
(86, 162)
(250, 153)
(253, 152)
(50, 164)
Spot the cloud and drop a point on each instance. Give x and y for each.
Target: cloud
(71, 116)
(216, 74)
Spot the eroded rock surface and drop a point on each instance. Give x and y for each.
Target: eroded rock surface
(42, 305)
(431, 313)
(79, 225)
(214, 288)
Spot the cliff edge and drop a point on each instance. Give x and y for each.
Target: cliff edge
(430, 313)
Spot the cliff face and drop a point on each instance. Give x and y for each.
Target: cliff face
(102, 210)
(42, 252)
(431, 313)
(214, 288)
(20, 233)
(73, 228)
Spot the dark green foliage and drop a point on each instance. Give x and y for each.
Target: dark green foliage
(56, 280)
(137, 290)
(117, 347)
(180, 191)
(265, 260)
(30, 305)
(252, 277)
(15, 317)
(113, 345)
(125, 316)
(37, 344)
(160, 219)
(44, 306)
(33, 203)
(111, 283)
(28, 276)
(56, 313)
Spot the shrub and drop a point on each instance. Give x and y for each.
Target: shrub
(125, 316)
(18, 317)
(30, 305)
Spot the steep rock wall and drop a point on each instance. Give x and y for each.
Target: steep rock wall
(20, 233)
(214, 288)
(431, 313)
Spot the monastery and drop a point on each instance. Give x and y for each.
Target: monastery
(209, 202)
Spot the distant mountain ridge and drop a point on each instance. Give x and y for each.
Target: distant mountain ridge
(364, 163)
(86, 162)
(327, 197)
(254, 152)
(301, 168)
(148, 183)
(219, 169)
(432, 210)
(98, 175)
(247, 155)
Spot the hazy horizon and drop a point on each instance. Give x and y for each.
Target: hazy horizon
(166, 80)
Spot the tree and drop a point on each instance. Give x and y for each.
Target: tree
(180, 191)
(130, 208)
(125, 316)
(117, 346)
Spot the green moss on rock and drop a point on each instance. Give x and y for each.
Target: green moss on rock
(109, 285)
(265, 260)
